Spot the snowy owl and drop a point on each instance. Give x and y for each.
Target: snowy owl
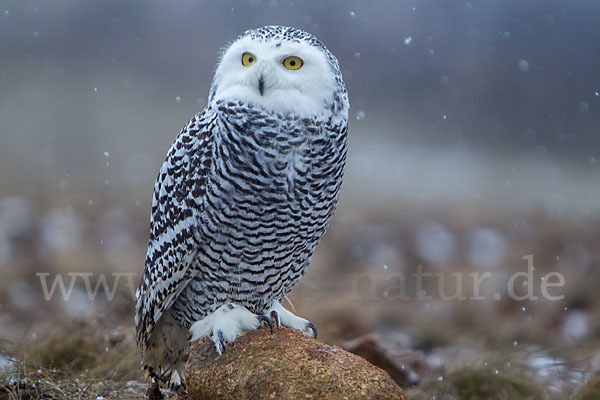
(246, 193)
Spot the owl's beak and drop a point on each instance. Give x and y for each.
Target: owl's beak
(261, 84)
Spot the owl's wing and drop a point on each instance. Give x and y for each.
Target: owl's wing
(179, 192)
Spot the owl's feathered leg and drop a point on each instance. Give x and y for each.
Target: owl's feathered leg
(287, 318)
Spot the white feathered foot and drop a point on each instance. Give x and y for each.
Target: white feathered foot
(287, 318)
(228, 322)
(224, 325)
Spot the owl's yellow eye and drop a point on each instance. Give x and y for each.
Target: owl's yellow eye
(292, 62)
(247, 59)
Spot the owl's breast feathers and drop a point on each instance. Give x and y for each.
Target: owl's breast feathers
(278, 157)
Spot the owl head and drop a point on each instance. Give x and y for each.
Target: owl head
(282, 70)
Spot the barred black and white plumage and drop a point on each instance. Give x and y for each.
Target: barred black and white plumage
(243, 198)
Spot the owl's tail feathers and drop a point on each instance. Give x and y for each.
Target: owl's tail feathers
(165, 354)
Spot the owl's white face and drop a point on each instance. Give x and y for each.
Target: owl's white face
(279, 75)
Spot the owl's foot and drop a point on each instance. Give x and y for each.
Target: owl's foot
(224, 325)
(287, 318)
(275, 316)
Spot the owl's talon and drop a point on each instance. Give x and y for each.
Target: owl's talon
(312, 326)
(275, 316)
(267, 320)
(219, 342)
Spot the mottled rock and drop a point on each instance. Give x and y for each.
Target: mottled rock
(283, 365)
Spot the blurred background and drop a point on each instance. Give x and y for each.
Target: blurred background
(474, 142)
